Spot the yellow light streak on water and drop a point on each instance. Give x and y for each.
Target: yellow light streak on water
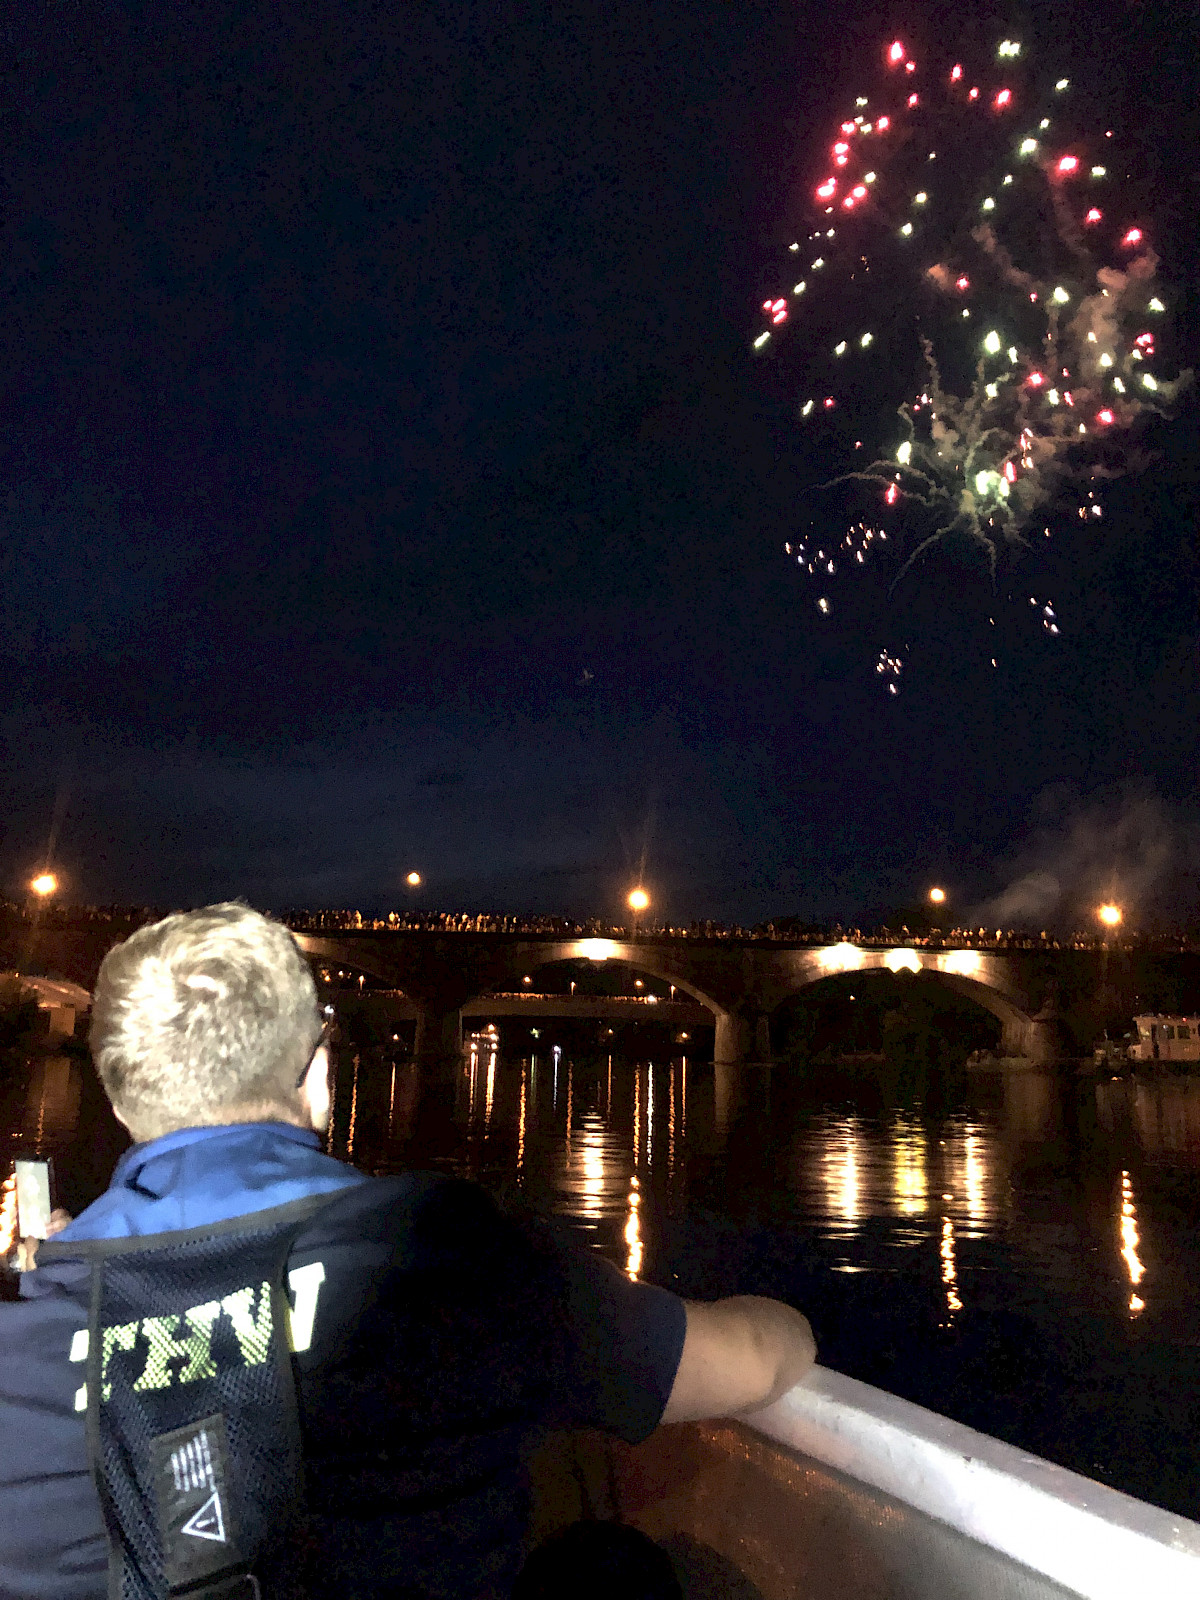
(973, 1177)
(353, 1111)
(1129, 1244)
(649, 1113)
(910, 1187)
(950, 1267)
(521, 1127)
(633, 1230)
(842, 1174)
(671, 1123)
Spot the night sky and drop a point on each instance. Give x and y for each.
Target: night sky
(387, 482)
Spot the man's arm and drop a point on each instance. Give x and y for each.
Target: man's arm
(738, 1354)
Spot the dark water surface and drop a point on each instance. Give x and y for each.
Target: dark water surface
(1018, 1251)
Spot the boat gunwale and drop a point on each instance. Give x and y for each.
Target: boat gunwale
(1095, 1541)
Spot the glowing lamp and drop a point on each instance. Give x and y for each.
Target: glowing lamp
(44, 884)
(1035, 380)
(841, 147)
(858, 191)
(844, 957)
(829, 403)
(1028, 147)
(1067, 165)
(638, 900)
(1060, 296)
(910, 66)
(992, 343)
(1106, 417)
(849, 127)
(1110, 915)
(1004, 98)
(1156, 305)
(1010, 472)
(413, 880)
(1093, 215)
(595, 949)
(827, 189)
(902, 961)
(973, 95)
(938, 896)
(904, 454)
(1134, 236)
(914, 100)
(962, 283)
(955, 74)
(895, 53)
(892, 495)
(883, 124)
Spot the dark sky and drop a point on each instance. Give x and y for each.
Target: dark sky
(386, 482)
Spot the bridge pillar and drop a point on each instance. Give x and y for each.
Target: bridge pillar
(1040, 1038)
(439, 1032)
(742, 1036)
(731, 1041)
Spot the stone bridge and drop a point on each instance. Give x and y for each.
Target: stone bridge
(739, 983)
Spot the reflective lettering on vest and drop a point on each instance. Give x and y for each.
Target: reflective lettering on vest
(184, 1339)
(253, 1330)
(79, 1352)
(194, 1347)
(121, 1337)
(305, 1283)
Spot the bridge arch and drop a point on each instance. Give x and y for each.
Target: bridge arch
(976, 975)
(627, 956)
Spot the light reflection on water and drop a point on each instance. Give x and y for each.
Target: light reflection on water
(1070, 1176)
(623, 1151)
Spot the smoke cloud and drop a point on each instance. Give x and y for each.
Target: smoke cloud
(1127, 849)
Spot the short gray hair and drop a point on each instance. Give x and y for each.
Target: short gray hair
(205, 1017)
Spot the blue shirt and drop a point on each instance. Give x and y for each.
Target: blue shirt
(195, 1176)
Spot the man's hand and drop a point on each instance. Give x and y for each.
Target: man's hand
(738, 1355)
(27, 1248)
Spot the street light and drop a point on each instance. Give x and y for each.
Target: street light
(938, 896)
(413, 880)
(639, 900)
(1109, 915)
(44, 885)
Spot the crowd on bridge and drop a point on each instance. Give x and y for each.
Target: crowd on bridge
(782, 930)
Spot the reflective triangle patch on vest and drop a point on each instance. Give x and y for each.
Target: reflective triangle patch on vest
(208, 1522)
(195, 1525)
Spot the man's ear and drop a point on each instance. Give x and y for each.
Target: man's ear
(314, 1091)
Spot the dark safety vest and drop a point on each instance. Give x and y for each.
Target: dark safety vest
(192, 1418)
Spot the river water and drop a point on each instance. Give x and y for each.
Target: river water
(1017, 1250)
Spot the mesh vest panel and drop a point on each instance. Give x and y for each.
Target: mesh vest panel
(192, 1419)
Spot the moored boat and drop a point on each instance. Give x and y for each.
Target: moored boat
(1158, 1037)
